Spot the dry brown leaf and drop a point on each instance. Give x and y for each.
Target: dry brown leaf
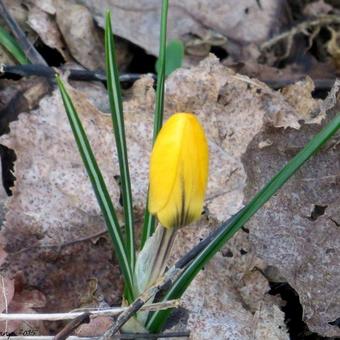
(138, 22)
(23, 301)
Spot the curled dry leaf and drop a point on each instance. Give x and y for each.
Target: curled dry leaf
(53, 203)
(139, 22)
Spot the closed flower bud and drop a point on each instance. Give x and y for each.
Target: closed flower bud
(178, 171)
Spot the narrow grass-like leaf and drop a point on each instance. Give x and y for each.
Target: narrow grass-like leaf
(99, 188)
(158, 318)
(12, 47)
(174, 57)
(116, 105)
(149, 220)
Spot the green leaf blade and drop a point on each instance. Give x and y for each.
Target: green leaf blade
(99, 187)
(158, 318)
(116, 104)
(149, 220)
(12, 47)
(174, 57)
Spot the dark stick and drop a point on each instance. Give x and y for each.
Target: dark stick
(71, 326)
(32, 54)
(49, 72)
(87, 75)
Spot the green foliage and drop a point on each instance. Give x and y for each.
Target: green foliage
(12, 47)
(170, 58)
(174, 57)
(116, 105)
(99, 188)
(149, 220)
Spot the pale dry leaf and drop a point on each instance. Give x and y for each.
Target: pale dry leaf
(47, 6)
(80, 34)
(139, 22)
(297, 230)
(299, 95)
(5, 57)
(221, 301)
(45, 26)
(233, 109)
(270, 323)
(53, 202)
(317, 8)
(333, 46)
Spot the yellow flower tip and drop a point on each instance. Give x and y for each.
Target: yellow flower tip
(178, 171)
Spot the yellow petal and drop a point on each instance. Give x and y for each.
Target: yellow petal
(178, 171)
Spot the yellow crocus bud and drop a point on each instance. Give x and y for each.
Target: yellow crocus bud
(178, 171)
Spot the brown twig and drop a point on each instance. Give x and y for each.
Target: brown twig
(112, 311)
(73, 325)
(32, 54)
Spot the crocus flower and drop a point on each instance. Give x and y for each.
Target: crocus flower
(178, 171)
